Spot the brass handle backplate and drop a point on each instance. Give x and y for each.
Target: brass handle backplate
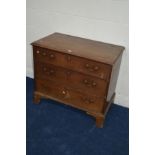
(48, 71)
(92, 68)
(88, 100)
(89, 83)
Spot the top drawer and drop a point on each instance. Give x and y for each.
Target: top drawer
(69, 61)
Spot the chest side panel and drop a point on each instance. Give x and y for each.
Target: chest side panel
(114, 78)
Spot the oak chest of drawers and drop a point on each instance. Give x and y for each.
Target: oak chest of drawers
(78, 72)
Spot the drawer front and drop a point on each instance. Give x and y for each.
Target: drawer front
(78, 81)
(69, 96)
(72, 62)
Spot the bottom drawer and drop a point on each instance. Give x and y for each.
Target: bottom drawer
(70, 96)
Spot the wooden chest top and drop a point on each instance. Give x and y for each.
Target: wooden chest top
(86, 48)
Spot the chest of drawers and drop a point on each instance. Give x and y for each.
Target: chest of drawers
(78, 72)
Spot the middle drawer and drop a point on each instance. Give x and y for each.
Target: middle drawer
(73, 79)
